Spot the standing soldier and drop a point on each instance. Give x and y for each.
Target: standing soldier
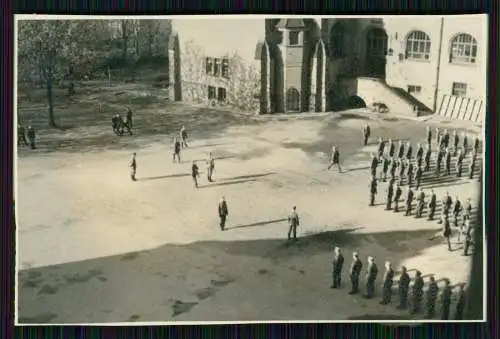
(355, 271)
(409, 201)
(373, 190)
(447, 232)
(427, 159)
(366, 134)
(293, 222)
(391, 148)
(457, 208)
(374, 164)
(420, 154)
(432, 294)
(397, 197)
(338, 263)
(459, 164)
(410, 173)
(420, 204)
(184, 137)
(446, 300)
(438, 161)
(394, 165)
(401, 149)
(385, 168)
(335, 158)
(438, 137)
(210, 166)
(409, 151)
(371, 276)
(21, 135)
(446, 204)
(390, 194)
(402, 168)
(456, 141)
(429, 136)
(31, 137)
(133, 167)
(465, 142)
(177, 150)
(432, 205)
(129, 117)
(447, 161)
(195, 173)
(417, 292)
(472, 167)
(446, 139)
(387, 284)
(418, 177)
(475, 144)
(459, 308)
(223, 213)
(381, 146)
(468, 238)
(403, 288)
(467, 210)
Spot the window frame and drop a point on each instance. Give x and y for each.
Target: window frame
(416, 89)
(418, 48)
(296, 35)
(456, 45)
(459, 89)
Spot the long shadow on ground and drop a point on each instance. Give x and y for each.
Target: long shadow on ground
(57, 293)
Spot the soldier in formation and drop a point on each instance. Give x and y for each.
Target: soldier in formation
(410, 173)
(420, 204)
(457, 208)
(371, 277)
(409, 151)
(432, 294)
(374, 164)
(409, 201)
(390, 194)
(465, 142)
(418, 177)
(354, 273)
(366, 134)
(402, 168)
(31, 137)
(445, 140)
(133, 167)
(467, 210)
(337, 264)
(447, 232)
(397, 197)
(195, 173)
(223, 213)
(447, 161)
(446, 300)
(385, 167)
(293, 222)
(403, 288)
(381, 146)
(373, 190)
(468, 238)
(439, 160)
(419, 154)
(446, 204)
(432, 205)
(393, 167)
(475, 144)
(459, 163)
(459, 308)
(428, 136)
(438, 137)
(472, 168)
(417, 293)
(427, 159)
(391, 148)
(387, 284)
(401, 150)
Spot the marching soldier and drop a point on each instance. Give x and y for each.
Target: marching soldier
(129, 117)
(432, 205)
(335, 158)
(403, 288)
(391, 147)
(446, 300)
(427, 159)
(432, 294)
(446, 204)
(417, 293)
(371, 276)
(409, 151)
(385, 167)
(447, 161)
(468, 238)
(420, 204)
(210, 166)
(459, 308)
(467, 210)
(21, 135)
(390, 194)
(438, 161)
(438, 137)
(457, 208)
(374, 164)
(409, 201)
(366, 134)
(459, 165)
(447, 232)
(338, 263)
(184, 137)
(465, 142)
(394, 165)
(381, 146)
(177, 150)
(387, 284)
(472, 168)
(475, 144)
(293, 222)
(402, 168)
(355, 271)
(373, 190)
(397, 197)
(420, 152)
(446, 139)
(223, 213)
(429, 136)
(31, 137)
(133, 167)
(195, 173)
(401, 149)
(456, 140)
(418, 177)
(410, 173)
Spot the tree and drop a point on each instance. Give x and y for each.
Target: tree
(192, 73)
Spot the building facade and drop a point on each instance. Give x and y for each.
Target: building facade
(409, 63)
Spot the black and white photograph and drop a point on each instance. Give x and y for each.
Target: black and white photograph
(249, 168)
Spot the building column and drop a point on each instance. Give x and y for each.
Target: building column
(322, 85)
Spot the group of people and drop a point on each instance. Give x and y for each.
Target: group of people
(26, 137)
(410, 295)
(119, 124)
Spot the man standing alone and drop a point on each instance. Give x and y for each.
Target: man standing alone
(223, 213)
(293, 221)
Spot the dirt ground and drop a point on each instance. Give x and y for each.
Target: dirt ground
(95, 247)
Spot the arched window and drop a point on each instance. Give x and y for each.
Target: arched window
(463, 49)
(292, 99)
(337, 40)
(418, 46)
(376, 43)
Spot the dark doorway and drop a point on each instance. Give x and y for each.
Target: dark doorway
(355, 102)
(376, 51)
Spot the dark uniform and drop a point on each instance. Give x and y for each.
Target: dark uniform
(371, 276)
(385, 167)
(402, 168)
(355, 271)
(418, 177)
(401, 150)
(410, 173)
(468, 240)
(438, 161)
(446, 139)
(447, 232)
(409, 151)
(293, 222)
(429, 137)
(381, 146)
(465, 143)
(397, 197)
(337, 264)
(432, 206)
(467, 210)
(438, 138)
(420, 204)
(391, 147)
(394, 165)
(427, 159)
(446, 301)
(447, 202)
(472, 168)
(184, 137)
(335, 159)
(366, 134)
(403, 289)
(373, 165)
(447, 162)
(390, 194)
(195, 173)
(210, 168)
(456, 140)
(373, 191)
(459, 165)
(459, 308)
(31, 137)
(177, 150)
(409, 201)
(223, 213)
(388, 281)
(21, 136)
(417, 293)
(457, 208)
(432, 294)
(129, 117)
(133, 168)
(420, 153)
(475, 144)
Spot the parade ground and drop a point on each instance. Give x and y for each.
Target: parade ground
(96, 247)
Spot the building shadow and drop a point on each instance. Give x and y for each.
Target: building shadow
(261, 223)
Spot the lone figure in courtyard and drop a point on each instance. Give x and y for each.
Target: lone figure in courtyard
(184, 137)
(195, 173)
(335, 158)
(210, 166)
(133, 167)
(293, 222)
(223, 213)
(366, 134)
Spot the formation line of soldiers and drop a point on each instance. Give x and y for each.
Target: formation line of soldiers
(412, 300)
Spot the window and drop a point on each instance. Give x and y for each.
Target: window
(459, 89)
(293, 38)
(221, 94)
(412, 89)
(211, 93)
(337, 36)
(225, 68)
(209, 66)
(418, 46)
(217, 68)
(463, 49)
(376, 43)
(292, 99)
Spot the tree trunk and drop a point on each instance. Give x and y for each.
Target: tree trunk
(52, 122)
(124, 40)
(150, 44)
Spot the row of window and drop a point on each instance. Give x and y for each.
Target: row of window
(217, 67)
(457, 88)
(217, 93)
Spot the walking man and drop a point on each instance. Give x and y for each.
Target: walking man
(210, 166)
(373, 190)
(133, 167)
(387, 284)
(427, 159)
(335, 158)
(429, 136)
(418, 177)
(420, 204)
(409, 201)
(432, 294)
(184, 137)
(390, 194)
(338, 263)
(177, 150)
(223, 213)
(293, 222)
(366, 134)
(355, 271)
(371, 276)
(195, 173)
(403, 288)
(397, 197)
(432, 205)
